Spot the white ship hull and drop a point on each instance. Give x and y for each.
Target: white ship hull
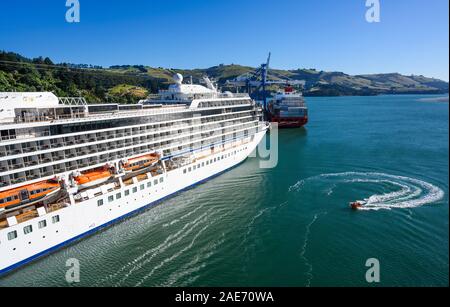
(86, 217)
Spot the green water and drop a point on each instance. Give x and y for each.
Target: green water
(290, 226)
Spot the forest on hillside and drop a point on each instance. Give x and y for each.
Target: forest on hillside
(96, 84)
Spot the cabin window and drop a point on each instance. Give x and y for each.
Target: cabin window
(155, 182)
(42, 224)
(100, 202)
(110, 199)
(118, 195)
(198, 166)
(55, 219)
(142, 186)
(190, 169)
(149, 184)
(203, 164)
(184, 172)
(134, 190)
(195, 167)
(127, 192)
(28, 229)
(12, 235)
(161, 180)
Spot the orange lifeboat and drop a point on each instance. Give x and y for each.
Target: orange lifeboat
(142, 162)
(29, 194)
(93, 177)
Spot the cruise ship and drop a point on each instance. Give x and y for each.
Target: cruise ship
(69, 169)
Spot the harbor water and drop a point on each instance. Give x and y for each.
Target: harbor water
(291, 225)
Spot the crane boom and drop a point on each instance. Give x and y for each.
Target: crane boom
(259, 81)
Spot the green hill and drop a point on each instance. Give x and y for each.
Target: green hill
(129, 83)
(131, 93)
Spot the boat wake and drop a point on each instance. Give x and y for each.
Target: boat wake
(398, 191)
(309, 273)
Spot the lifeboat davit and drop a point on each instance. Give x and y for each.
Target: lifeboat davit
(29, 194)
(136, 164)
(93, 177)
(357, 205)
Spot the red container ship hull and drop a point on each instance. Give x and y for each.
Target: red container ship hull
(292, 122)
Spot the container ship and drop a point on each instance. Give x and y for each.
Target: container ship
(288, 109)
(69, 169)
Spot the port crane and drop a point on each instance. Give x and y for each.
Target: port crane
(258, 81)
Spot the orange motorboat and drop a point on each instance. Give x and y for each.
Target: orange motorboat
(93, 177)
(142, 162)
(357, 205)
(29, 194)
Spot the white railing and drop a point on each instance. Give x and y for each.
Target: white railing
(72, 101)
(187, 98)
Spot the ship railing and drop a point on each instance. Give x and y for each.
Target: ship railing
(233, 95)
(72, 101)
(159, 111)
(161, 98)
(190, 97)
(47, 118)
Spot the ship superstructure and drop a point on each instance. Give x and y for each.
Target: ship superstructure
(68, 168)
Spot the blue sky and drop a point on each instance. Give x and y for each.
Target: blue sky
(412, 37)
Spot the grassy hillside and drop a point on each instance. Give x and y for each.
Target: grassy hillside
(129, 83)
(130, 93)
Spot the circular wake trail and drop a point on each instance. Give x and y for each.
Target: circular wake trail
(404, 192)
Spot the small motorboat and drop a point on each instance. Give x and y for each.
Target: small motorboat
(357, 204)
